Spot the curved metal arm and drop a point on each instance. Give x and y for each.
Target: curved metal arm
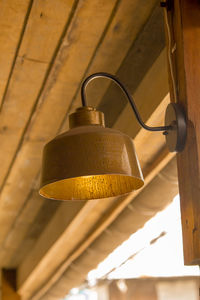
(132, 103)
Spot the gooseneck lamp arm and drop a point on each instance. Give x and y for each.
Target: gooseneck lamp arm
(175, 128)
(128, 95)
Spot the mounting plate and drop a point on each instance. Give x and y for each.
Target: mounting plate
(176, 137)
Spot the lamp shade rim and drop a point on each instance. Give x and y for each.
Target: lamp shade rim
(47, 187)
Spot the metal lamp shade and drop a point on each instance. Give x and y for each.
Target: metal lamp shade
(89, 161)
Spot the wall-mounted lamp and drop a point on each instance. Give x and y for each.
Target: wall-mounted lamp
(91, 161)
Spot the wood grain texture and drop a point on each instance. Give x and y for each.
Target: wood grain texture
(14, 15)
(186, 27)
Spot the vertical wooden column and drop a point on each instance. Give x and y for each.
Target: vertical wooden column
(7, 285)
(184, 20)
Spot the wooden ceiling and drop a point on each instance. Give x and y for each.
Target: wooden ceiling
(47, 48)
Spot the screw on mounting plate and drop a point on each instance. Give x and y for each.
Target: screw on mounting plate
(166, 3)
(165, 132)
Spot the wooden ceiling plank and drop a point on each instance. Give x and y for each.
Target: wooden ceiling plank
(28, 74)
(14, 15)
(29, 270)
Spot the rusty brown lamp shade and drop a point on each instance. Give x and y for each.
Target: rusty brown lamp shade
(91, 161)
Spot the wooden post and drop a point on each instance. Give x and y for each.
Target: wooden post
(184, 20)
(7, 285)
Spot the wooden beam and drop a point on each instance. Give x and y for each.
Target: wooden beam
(185, 25)
(8, 285)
